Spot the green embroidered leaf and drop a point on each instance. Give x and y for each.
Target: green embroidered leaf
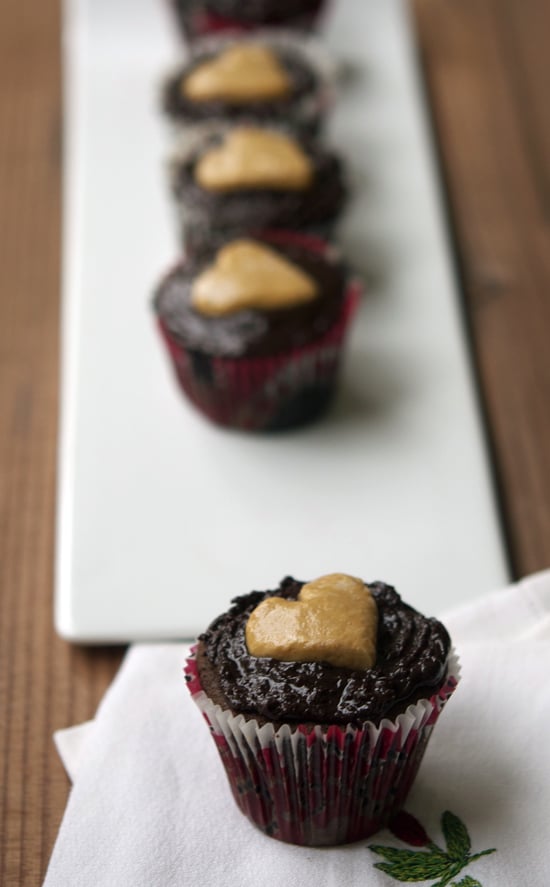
(483, 853)
(392, 854)
(395, 854)
(400, 874)
(413, 865)
(423, 865)
(452, 870)
(456, 836)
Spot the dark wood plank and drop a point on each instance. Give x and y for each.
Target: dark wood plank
(44, 683)
(487, 68)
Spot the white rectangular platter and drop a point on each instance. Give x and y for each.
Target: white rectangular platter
(162, 517)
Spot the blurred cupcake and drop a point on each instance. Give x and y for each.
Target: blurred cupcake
(201, 17)
(247, 179)
(255, 330)
(261, 79)
(321, 698)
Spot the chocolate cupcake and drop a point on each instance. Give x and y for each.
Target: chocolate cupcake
(268, 80)
(201, 17)
(321, 698)
(255, 330)
(248, 179)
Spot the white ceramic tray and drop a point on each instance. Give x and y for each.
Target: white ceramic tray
(162, 517)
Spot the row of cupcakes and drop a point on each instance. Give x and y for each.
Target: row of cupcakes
(256, 314)
(320, 696)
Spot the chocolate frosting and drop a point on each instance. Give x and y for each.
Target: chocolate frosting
(251, 333)
(411, 663)
(304, 83)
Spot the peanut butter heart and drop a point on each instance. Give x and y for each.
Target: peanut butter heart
(241, 73)
(247, 274)
(334, 620)
(250, 157)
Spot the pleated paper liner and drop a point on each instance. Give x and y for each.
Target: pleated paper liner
(269, 393)
(321, 786)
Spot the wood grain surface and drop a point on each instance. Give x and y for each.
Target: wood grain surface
(44, 683)
(487, 66)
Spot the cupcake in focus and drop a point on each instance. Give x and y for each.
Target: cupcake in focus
(251, 178)
(321, 698)
(255, 330)
(198, 18)
(262, 79)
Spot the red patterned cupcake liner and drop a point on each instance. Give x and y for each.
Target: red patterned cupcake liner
(321, 786)
(266, 393)
(203, 23)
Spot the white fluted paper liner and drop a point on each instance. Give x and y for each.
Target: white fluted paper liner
(323, 785)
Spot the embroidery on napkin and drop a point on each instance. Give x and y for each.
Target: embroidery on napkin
(434, 862)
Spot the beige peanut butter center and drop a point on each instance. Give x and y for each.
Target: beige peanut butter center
(334, 620)
(241, 73)
(247, 274)
(250, 157)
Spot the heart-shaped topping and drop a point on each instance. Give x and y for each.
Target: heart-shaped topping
(250, 157)
(239, 74)
(247, 274)
(334, 620)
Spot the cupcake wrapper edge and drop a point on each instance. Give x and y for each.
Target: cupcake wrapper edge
(265, 393)
(316, 787)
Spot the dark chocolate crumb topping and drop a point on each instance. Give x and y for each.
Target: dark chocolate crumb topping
(412, 653)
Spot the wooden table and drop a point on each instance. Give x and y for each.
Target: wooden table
(487, 66)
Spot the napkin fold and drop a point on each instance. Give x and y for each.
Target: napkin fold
(150, 805)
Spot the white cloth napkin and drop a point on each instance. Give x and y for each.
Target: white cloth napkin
(150, 806)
